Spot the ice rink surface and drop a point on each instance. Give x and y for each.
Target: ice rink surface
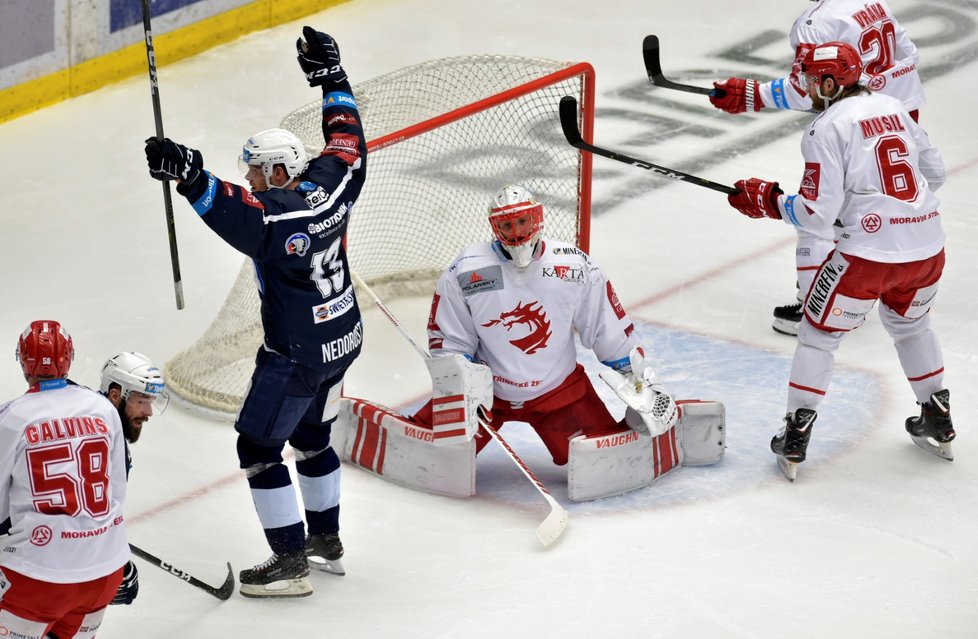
(875, 539)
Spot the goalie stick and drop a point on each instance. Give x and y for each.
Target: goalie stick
(568, 122)
(650, 53)
(223, 593)
(154, 86)
(556, 522)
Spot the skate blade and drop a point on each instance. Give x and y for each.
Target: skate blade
(284, 589)
(785, 327)
(789, 468)
(934, 448)
(332, 566)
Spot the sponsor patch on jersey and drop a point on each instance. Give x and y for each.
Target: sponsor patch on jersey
(871, 222)
(334, 308)
(320, 228)
(489, 278)
(346, 145)
(315, 196)
(432, 324)
(615, 304)
(877, 82)
(341, 118)
(228, 189)
(564, 273)
(297, 244)
(810, 180)
(339, 98)
(250, 199)
(569, 250)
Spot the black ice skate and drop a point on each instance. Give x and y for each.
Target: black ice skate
(791, 443)
(933, 430)
(279, 576)
(324, 552)
(787, 318)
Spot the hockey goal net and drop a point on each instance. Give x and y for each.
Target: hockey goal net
(443, 136)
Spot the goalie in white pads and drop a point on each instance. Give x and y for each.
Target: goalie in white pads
(501, 333)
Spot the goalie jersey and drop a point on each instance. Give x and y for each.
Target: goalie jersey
(296, 240)
(521, 322)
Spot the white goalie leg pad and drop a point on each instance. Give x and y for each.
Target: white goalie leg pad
(703, 431)
(384, 443)
(458, 388)
(613, 464)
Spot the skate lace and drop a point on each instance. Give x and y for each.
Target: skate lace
(267, 563)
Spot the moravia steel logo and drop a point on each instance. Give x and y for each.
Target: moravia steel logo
(534, 318)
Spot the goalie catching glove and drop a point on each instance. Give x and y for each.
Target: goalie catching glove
(650, 410)
(319, 57)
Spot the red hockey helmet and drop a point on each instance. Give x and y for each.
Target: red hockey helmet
(45, 350)
(836, 59)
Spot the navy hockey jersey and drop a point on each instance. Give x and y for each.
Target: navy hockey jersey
(296, 239)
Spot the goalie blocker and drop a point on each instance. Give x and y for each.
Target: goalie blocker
(392, 447)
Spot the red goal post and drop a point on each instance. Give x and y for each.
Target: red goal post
(443, 136)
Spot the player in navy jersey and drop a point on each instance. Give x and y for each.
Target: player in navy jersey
(292, 224)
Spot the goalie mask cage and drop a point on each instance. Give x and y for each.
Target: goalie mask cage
(443, 137)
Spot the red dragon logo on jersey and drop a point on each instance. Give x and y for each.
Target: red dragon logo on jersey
(535, 318)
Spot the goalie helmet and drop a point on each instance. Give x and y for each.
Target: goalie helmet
(274, 146)
(837, 60)
(134, 372)
(517, 222)
(45, 350)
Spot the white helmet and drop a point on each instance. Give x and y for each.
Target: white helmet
(517, 221)
(271, 147)
(134, 372)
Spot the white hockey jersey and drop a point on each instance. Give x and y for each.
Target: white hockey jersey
(63, 484)
(889, 56)
(521, 322)
(870, 166)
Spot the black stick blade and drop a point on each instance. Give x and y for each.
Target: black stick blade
(227, 588)
(653, 67)
(568, 121)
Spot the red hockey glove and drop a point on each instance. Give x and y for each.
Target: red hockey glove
(756, 198)
(738, 95)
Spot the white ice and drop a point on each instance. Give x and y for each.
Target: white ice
(875, 538)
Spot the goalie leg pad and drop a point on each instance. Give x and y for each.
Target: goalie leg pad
(613, 464)
(703, 431)
(388, 445)
(458, 388)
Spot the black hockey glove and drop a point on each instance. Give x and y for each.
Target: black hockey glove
(319, 57)
(129, 587)
(171, 161)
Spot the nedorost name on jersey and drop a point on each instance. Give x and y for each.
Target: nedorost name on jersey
(827, 278)
(65, 428)
(321, 228)
(487, 278)
(335, 308)
(340, 347)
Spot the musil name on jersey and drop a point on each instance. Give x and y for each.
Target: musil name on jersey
(65, 428)
(345, 345)
(871, 127)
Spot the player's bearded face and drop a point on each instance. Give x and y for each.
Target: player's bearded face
(134, 411)
(256, 179)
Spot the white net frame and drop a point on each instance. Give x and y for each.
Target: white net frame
(443, 136)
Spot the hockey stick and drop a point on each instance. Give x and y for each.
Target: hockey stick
(650, 53)
(223, 593)
(555, 523)
(171, 228)
(568, 122)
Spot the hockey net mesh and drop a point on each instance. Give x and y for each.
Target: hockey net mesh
(443, 136)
